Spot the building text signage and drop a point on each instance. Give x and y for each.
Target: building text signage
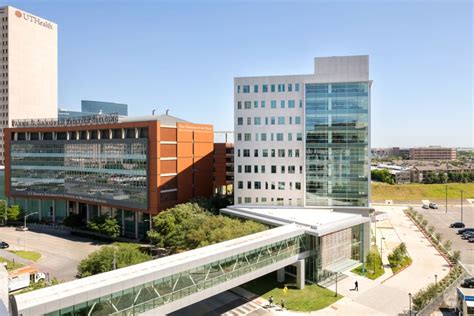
(33, 19)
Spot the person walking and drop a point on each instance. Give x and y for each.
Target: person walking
(356, 288)
(270, 300)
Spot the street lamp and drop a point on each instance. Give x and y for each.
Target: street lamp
(26, 216)
(446, 199)
(436, 280)
(381, 250)
(336, 285)
(409, 296)
(461, 208)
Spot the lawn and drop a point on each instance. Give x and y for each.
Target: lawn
(417, 192)
(369, 265)
(10, 265)
(311, 298)
(29, 255)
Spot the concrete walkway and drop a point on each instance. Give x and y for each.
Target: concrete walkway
(12, 257)
(388, 295)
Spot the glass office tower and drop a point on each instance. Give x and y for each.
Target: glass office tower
(96, 107)
(337, 144)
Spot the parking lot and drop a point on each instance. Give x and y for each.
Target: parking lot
(60, 252)
(441, 221)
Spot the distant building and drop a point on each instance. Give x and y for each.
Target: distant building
(399, 173)
(433, 153)
(419, 173)
(97, 107)
(65, 114)
(29, 68)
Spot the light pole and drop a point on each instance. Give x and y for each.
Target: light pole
(436, 280)
(409, 296)
(336, 285)
(461, 208)
(381, 250)
(446, 199)
(24, 229)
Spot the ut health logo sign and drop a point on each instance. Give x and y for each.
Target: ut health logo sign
(33, 19)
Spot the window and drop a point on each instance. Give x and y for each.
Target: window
(282, 168)
(265, 88)
(273, 186)
(249, 121)
(238, 152)
(281, 185)
(291, 104)
(279, 137)
(299, 136)
(239, 169)
(290, 152)
(255, 169)
(248, 200)
(263, 137)
(298, 185)
(274, 169)
(297, 120)
(240, 121)
(273, 152)
(239, 105)
(249, 184)
(297, 87)
(272, 88)
(239, 200)
(262, 104)
(238, 89)
(246, 152)
(256, 120)
(247, 104)
(239, 136)
(266, 120)
(281, 120)
(273, 104)
(301, 169)
(301, 103)
(240, 184)
(272, 120)
(297, 152)
(255, 104)
(247, 137)
(248, 169)
(281, 153)
(246, 89)
(282, 104)
(290, 87)
(255, 88)
(281, 87)
(262, 169)
(291, 169)
(257, 185)
(256, 137)
(255, 152)
(265, 153)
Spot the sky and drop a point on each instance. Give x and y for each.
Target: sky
(183, 56)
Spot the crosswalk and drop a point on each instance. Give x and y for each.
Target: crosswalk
(249, 309)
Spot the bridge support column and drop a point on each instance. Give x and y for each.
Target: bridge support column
(300, 274)
(281, 275)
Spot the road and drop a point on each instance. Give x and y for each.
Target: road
(60, 252)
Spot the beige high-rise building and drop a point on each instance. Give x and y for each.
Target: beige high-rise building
(28, 68)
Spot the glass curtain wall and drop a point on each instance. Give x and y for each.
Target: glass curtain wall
(337, 134)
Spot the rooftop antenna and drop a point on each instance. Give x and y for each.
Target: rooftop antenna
(153, 112)
(167, 110)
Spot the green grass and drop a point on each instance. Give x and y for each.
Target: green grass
(311, 298)
(369, 265)
(28, 255)
(400, 265)
(418, 192)
(10, 265)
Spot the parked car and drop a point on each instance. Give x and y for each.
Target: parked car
(457, 225)
(21, 228)
(4, 245)
(462, 231)
(471, 239)
(425, 206)
(469, 282)
(433, 206)
(467, 235)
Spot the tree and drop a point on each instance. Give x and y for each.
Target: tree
(102, 260)
(447, 244)
(382, 175)
(431, 229)
(73, 220)
(424, 223)
(439, 237)
(456, 256)
(3, 212)
(14, 213)
(105, 225)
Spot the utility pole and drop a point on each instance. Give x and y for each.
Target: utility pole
(446, 199)
(461, 208)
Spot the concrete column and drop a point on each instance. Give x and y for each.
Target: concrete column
(300, 274)
(39, 208)
(123, 222)
(87, 213)
(135, 217)
(281, 275)
(54, 211)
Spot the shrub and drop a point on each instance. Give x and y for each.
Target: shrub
(424, 223)
(73, 220)
(431, 229)
(105, 225)
(439, 237)
(419, 217)
(455, 257)
(447, 245)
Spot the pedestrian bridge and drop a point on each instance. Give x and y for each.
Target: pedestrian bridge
(167, 284)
